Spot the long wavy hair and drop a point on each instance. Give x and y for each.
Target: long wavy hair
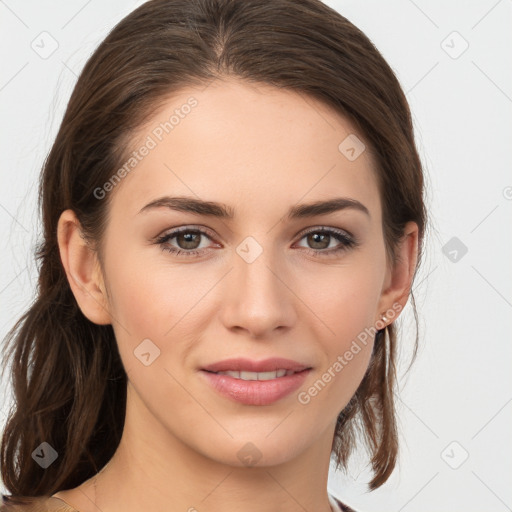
(68, 381)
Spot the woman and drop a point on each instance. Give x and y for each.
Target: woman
(233, 218)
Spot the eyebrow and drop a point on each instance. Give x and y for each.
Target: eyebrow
(223, 211)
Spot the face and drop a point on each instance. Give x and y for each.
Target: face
(187, 289)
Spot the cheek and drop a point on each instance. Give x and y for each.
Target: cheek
(345, 301)
(347, 348)
(147, 296)
(167, 304)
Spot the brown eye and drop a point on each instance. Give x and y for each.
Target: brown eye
(187, 241)
(320, 241)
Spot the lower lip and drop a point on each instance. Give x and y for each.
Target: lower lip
(256, 392)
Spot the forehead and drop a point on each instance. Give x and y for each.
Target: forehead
(257, 148)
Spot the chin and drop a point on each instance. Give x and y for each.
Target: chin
(257, 451)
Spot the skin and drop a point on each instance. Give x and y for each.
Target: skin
(259, 150)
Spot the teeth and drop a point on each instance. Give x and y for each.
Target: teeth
(257, 375)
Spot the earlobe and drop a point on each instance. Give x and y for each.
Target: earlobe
(398, 286)
(82, 269)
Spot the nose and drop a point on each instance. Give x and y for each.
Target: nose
(258, 297)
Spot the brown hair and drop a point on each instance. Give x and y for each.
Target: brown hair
(68, 380)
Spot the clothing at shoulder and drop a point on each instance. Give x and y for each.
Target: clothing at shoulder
(339, 507)
(39, 504)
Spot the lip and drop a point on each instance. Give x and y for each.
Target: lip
(255, 392)
(248, 365)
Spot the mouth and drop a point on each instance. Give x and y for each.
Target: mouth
(249, 369)
(252, 382)
(247, 375)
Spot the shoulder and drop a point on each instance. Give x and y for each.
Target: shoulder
(340, 506)
(34, 504)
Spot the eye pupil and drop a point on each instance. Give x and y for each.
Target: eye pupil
(319, 238)
(188, 239)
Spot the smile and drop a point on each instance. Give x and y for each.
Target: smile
(255, 388)
(257, 375)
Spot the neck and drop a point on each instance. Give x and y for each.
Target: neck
(160, 471)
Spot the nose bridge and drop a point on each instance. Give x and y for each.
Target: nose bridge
(257, 274)
(259, 300)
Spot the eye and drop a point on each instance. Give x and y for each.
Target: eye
(187, 239)
(320, 241)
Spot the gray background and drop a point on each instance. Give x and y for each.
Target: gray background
(455, 404)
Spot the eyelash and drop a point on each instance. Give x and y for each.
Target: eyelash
(347, 242)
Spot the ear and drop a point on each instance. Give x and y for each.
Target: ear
(398, 282)
(82, 269)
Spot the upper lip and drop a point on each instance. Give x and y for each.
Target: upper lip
(248, 365)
